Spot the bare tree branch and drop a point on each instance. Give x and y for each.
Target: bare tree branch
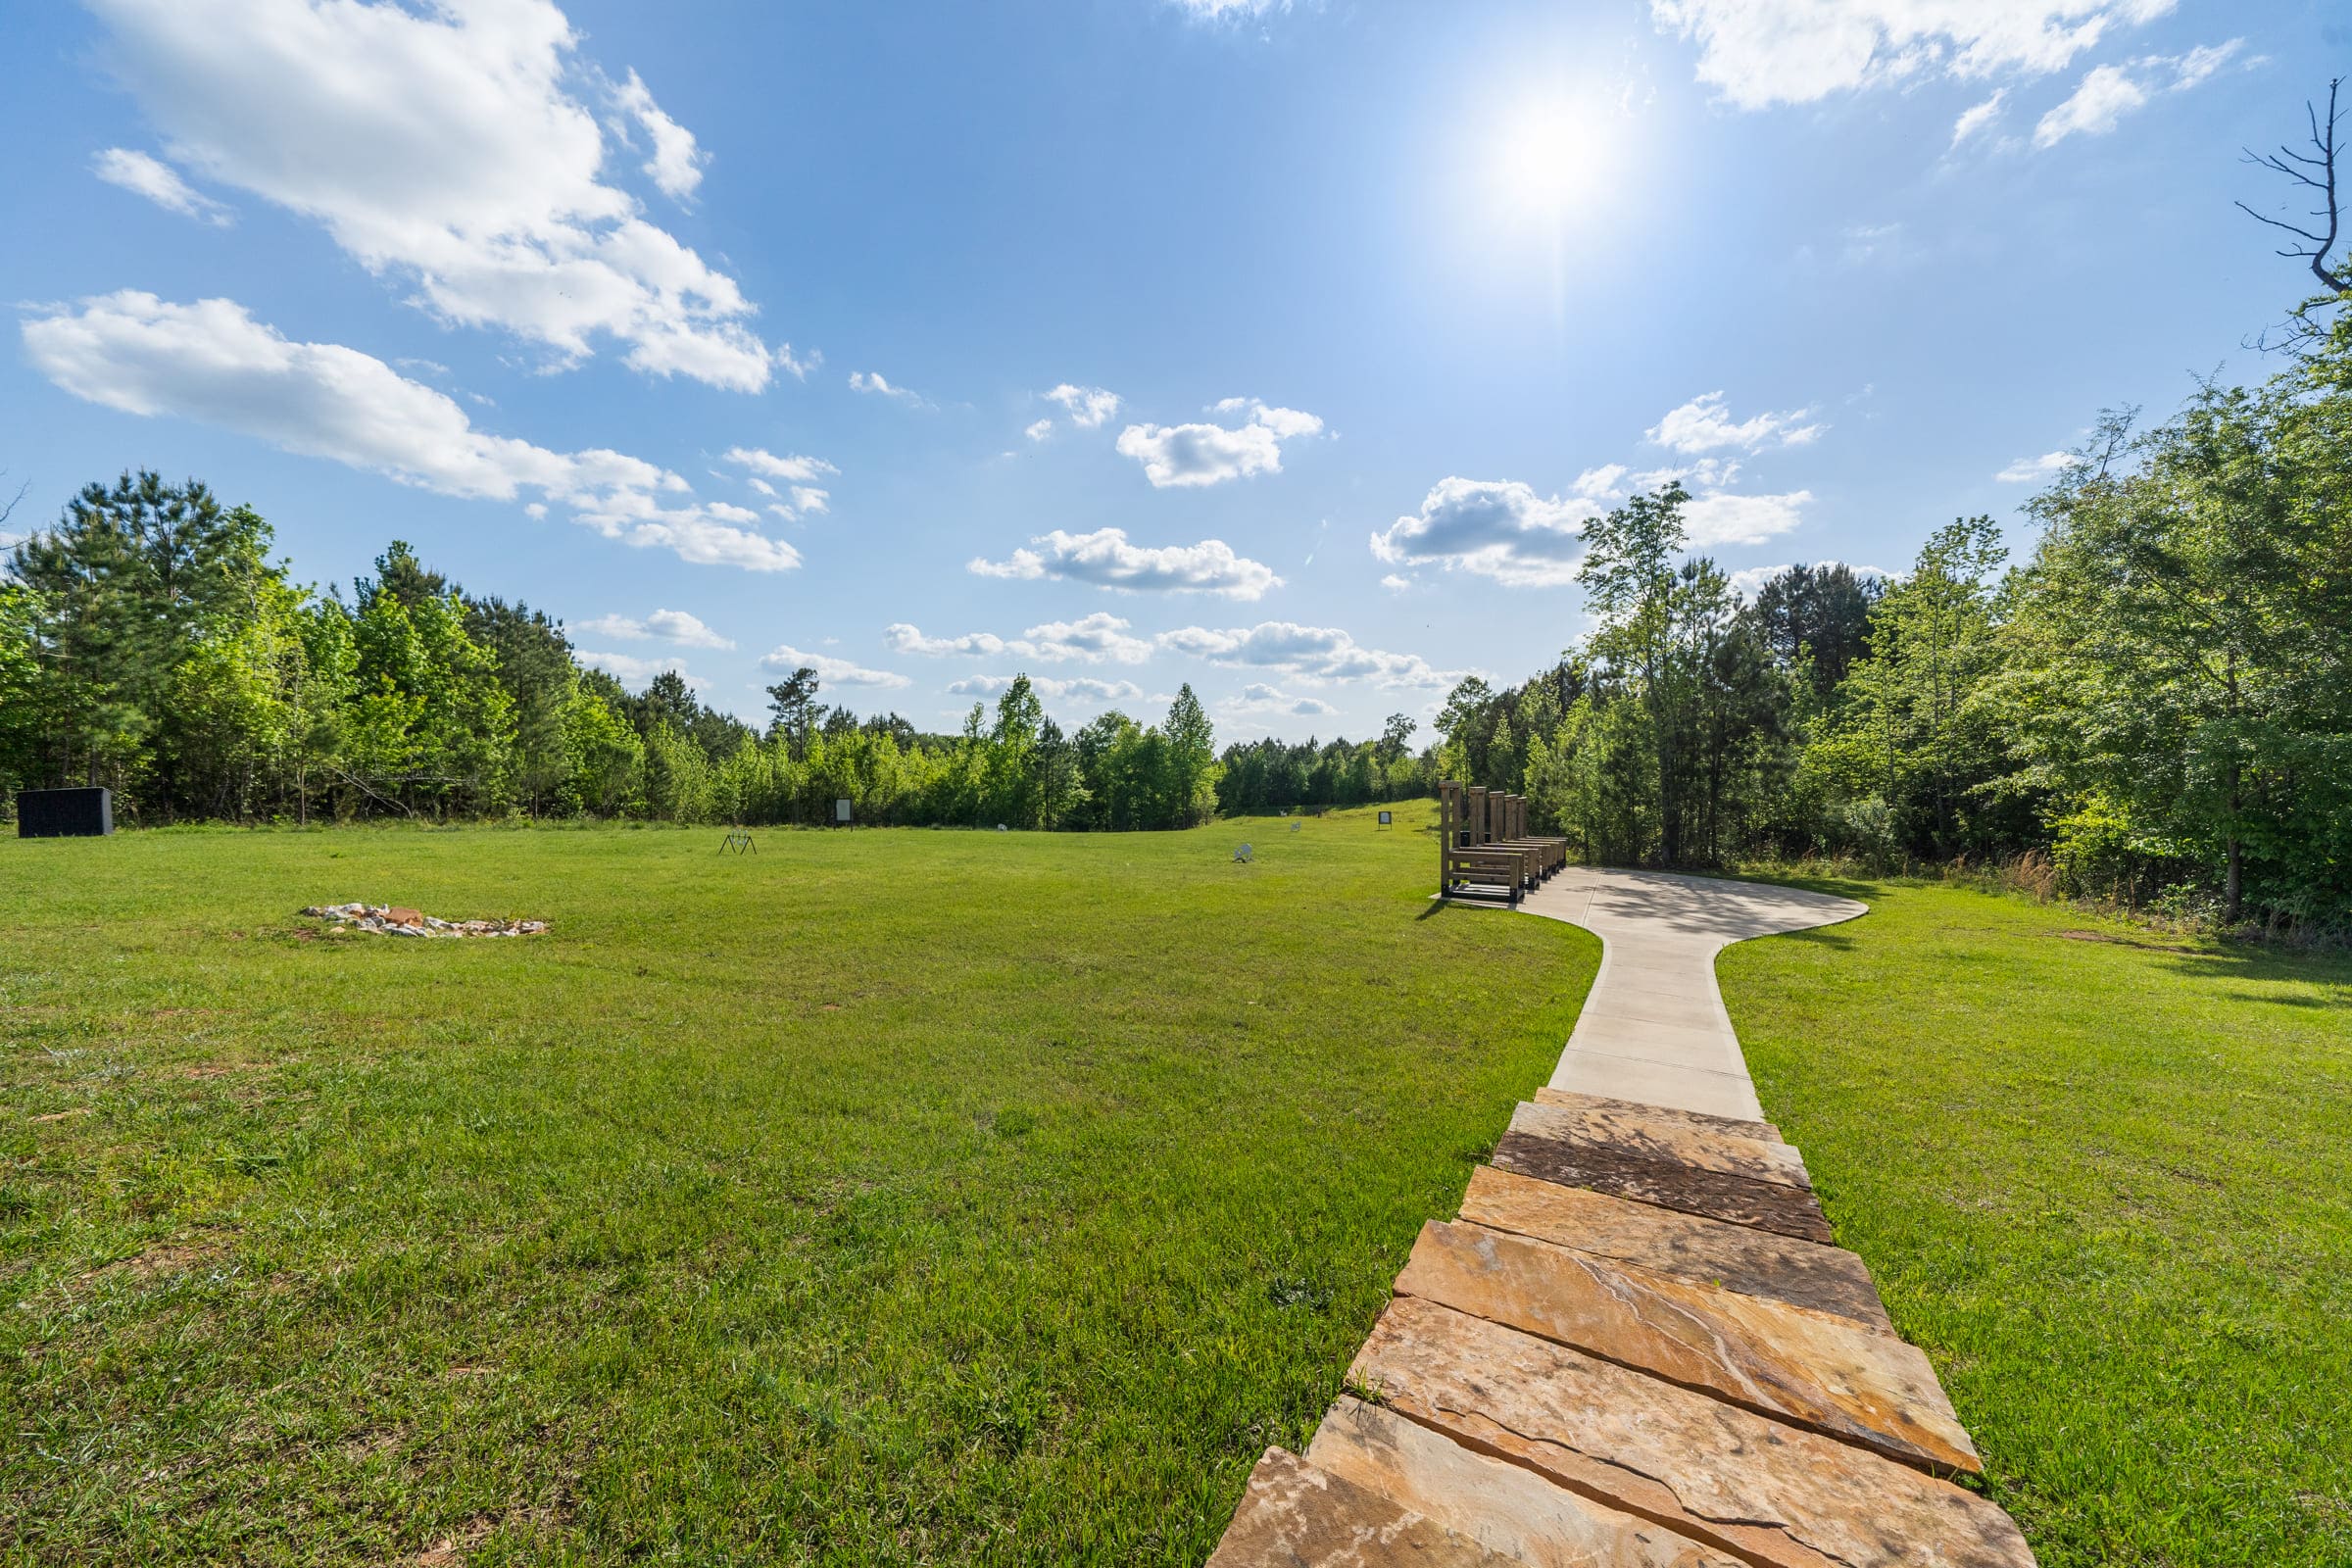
(2313, 173)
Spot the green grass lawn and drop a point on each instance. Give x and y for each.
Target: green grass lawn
(879, 1196)
(2106, 1185)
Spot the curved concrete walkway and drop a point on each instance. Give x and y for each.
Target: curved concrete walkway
(1654, 1029)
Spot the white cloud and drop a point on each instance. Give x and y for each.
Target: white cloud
(2107, 93)
(213, 362)
(451, 149)
(1040, 430)
(1720, 518)
(2032, 471)
(1703, 424)
(666, 625)
(1498, 530)
(1092, 639)
(2202, 62)
(1107, 559)
(1190, 454)
(1975, 116)
(677, 164)
(900, 638)
(1081, 688)
(871, 382)
(1087, 405)
(1748, 580)
(1762, 52)
(144, 174)
(1259, 700)
(1395, 584)
(1311, 653)
(798, 469)
(831, 671)
(631, 671)
(1505, 530)
(2105, 96)
(1228, 10)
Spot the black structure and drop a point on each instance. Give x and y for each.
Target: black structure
(65, 813)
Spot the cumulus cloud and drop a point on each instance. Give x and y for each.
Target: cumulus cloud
(797, 471)
(1748, 580)
(451, 149)
(831, 671)
(1505, 530)
(1705, 424)
(1105, 558)
(1080, 688)
(871, 382)
(1039, 431)
(1092, 639)
(214, 363)
(2034, 470)
(1718, 518)
(1259, 700)
(1498, 530)
(1087, 405)
(145, 174)
(1311, 653)
(677, 162)
(1762, 52)
(1395, 583)
(2107, 93)
(1181, 456)
(631, 671)
(664, 625)
(1228, 10)
(1975, 116)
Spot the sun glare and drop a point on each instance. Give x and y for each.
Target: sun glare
(1552, 157)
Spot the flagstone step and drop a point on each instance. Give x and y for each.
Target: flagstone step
(1502, 1506)
(1736, 1257)
(1736, 1126)
(1632, 1130)
(1604, 1167)
(1765, 1492)
(1297, 1516)
(1824, 1373)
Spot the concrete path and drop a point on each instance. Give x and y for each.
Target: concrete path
(1654, 1029)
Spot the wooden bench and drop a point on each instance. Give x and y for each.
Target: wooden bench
(1467, 866)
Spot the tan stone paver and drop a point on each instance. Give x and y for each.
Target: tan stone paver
(1811, 1369)
(1638, 1348)
(1781, 1269)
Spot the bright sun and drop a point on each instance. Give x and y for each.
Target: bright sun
(1551, 156)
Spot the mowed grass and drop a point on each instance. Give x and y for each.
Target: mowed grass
(875, 1197)
(2107, 1185)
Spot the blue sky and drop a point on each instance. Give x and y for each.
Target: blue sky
(1278, 348)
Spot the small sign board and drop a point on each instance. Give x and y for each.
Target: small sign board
(840, 811)
(1387, 818)
(82, 813)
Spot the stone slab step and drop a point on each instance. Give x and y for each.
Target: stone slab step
(1774, 1206)
(1599, 1072)
(1504, 1508)
(1738, 1257)
(1767, 1493)
(1736, 1126)
(1811, 1369)
(1635, 1130)
(1297, 1516)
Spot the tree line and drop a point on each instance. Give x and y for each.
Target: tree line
(2157, 700)
(148, 644)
